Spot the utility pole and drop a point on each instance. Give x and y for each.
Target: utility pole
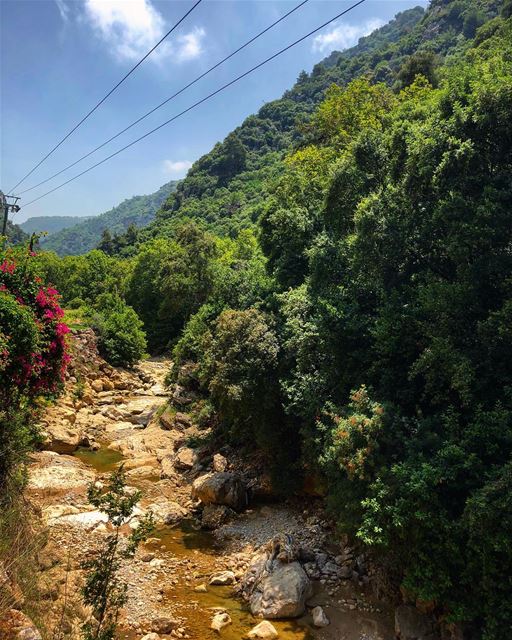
(6, 207)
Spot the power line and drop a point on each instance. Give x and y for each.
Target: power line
(196, 104)
(108, 94)
(246, 44)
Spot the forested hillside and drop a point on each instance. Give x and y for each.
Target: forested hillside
(138, 211)
(51, 224)
(334, 283)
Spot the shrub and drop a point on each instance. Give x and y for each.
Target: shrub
(121, 340)
(33, 353)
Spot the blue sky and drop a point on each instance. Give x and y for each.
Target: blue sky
(59, 57)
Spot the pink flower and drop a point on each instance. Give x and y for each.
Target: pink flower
(8, 267)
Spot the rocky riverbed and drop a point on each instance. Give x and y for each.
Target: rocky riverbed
(218, 561)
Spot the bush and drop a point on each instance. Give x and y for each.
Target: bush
(33, 354)
(121, 340)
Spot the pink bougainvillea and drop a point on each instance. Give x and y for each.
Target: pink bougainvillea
(33, 348)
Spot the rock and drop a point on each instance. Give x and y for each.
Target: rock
(319, 617)
(201, 588)
(410, 624)
(108, 385)
(264, 630)
(53, 474)
(220, 620)
(221, 488)
(61, 438)
(151, 636)
(282, 593)
(167, 420)
(164, 625)
(29, 633)
(168, 470)
(182, 420)
(219, 463)
(186, 458)
(168, 512)
(223, 578)
(215, 515)
(97, 385)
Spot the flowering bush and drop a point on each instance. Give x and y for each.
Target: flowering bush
(33, 355)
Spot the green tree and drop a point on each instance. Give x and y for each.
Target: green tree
(103, 591)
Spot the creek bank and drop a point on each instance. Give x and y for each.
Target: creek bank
(122, 416)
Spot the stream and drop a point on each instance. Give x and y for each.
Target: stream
(187, 540)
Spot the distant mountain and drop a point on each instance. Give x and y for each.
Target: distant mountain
(51, 224)
(15, 234)
(82, 237)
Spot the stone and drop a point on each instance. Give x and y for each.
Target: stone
(97, 385)
(167, 512)
(410, 624)
(319, 617)
(29, 633)
(201, 588)
(220, 620)
(282, 593)
(182, 420)
(264, 630)
(215, 515)
(167, 420)
(221, 488)
(185, 459)
(219, 462)
(224, 578)
(54, 474)
(164, 625)
(61, 438)
(151, 636)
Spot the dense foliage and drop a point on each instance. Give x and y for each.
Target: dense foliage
(84, 236)
(337, 271)
(50, 224)
(32, 354)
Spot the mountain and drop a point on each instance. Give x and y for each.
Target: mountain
(15, 234)
(80, 238)
(51, 224)
(226, 187)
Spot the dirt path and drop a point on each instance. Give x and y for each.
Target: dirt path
(118, 414)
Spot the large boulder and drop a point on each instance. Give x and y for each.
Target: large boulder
(215, 515)
(61, 437)
(221, 488)
(185, 459)
(53, 474)
(410, 624)
(281, 592)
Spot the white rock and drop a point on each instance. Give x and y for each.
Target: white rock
(319, 617)
(220, 620)
(264, 630)
(223, 578)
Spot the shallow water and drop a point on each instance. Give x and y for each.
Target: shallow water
(186, 541)
(103, 460)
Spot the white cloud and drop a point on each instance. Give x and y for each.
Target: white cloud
(131, 28)
(63, 9)
(176, 168)
(190, 44)
(343, 35)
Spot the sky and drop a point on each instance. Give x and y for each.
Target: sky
(60, 57)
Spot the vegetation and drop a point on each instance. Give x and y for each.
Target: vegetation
(84, 236)
(51, 224)
(104, 593)
(336, 277)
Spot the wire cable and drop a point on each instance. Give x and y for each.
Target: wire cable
(199, 102)
(107, 95)
(174, 95)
